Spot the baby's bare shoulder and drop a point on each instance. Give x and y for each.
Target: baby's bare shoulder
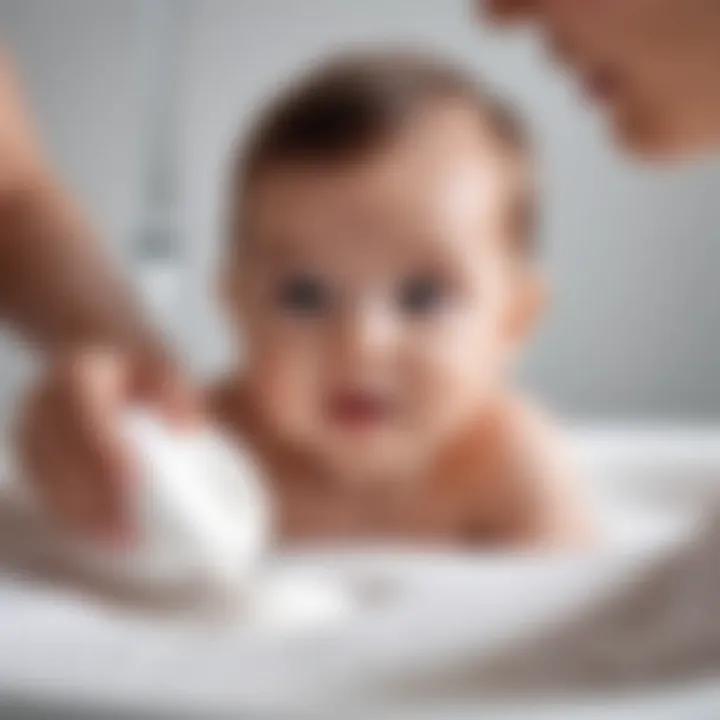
(528, 435)
(535, 459)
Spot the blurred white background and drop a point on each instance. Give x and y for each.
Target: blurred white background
(632, 251)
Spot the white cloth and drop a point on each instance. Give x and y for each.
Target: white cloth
(451, 631)
(201, 515)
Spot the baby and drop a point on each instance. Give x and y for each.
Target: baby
(381, 284)
(380, 281)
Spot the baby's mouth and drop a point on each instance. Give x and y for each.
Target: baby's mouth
(358, 409)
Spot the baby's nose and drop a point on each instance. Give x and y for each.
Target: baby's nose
(366, 335)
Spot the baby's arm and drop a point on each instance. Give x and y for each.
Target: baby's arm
(545, 505)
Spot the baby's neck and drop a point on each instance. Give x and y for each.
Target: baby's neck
(401, 471)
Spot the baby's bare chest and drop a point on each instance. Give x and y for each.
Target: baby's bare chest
(310, 509)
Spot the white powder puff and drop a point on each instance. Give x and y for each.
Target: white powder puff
(201, 507)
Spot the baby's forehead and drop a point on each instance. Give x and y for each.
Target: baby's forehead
(379, 236)
(381, 256)
(442, 172)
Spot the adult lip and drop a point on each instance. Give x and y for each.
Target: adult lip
(599, 82)
(560, 51)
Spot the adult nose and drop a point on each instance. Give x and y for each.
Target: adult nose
(507, 11)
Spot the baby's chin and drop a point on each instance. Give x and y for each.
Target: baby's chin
(378, 454)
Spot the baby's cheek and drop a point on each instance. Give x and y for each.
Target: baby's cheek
(453, 373)
(287, 376)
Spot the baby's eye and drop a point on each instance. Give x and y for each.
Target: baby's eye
(303, 295)
(421, 295)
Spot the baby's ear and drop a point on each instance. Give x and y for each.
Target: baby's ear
(530, 299)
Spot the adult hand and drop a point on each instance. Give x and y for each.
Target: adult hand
(71, 449)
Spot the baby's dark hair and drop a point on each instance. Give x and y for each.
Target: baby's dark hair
(349, 106)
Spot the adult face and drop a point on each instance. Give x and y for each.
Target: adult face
(651, 64)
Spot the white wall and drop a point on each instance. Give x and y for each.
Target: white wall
(632, 251)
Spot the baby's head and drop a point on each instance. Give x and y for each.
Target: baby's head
(380, 270)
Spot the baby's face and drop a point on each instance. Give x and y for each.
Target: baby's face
(376, 300)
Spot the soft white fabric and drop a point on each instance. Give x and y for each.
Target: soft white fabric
(454, 631)
(418, 618)
(201, 505)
